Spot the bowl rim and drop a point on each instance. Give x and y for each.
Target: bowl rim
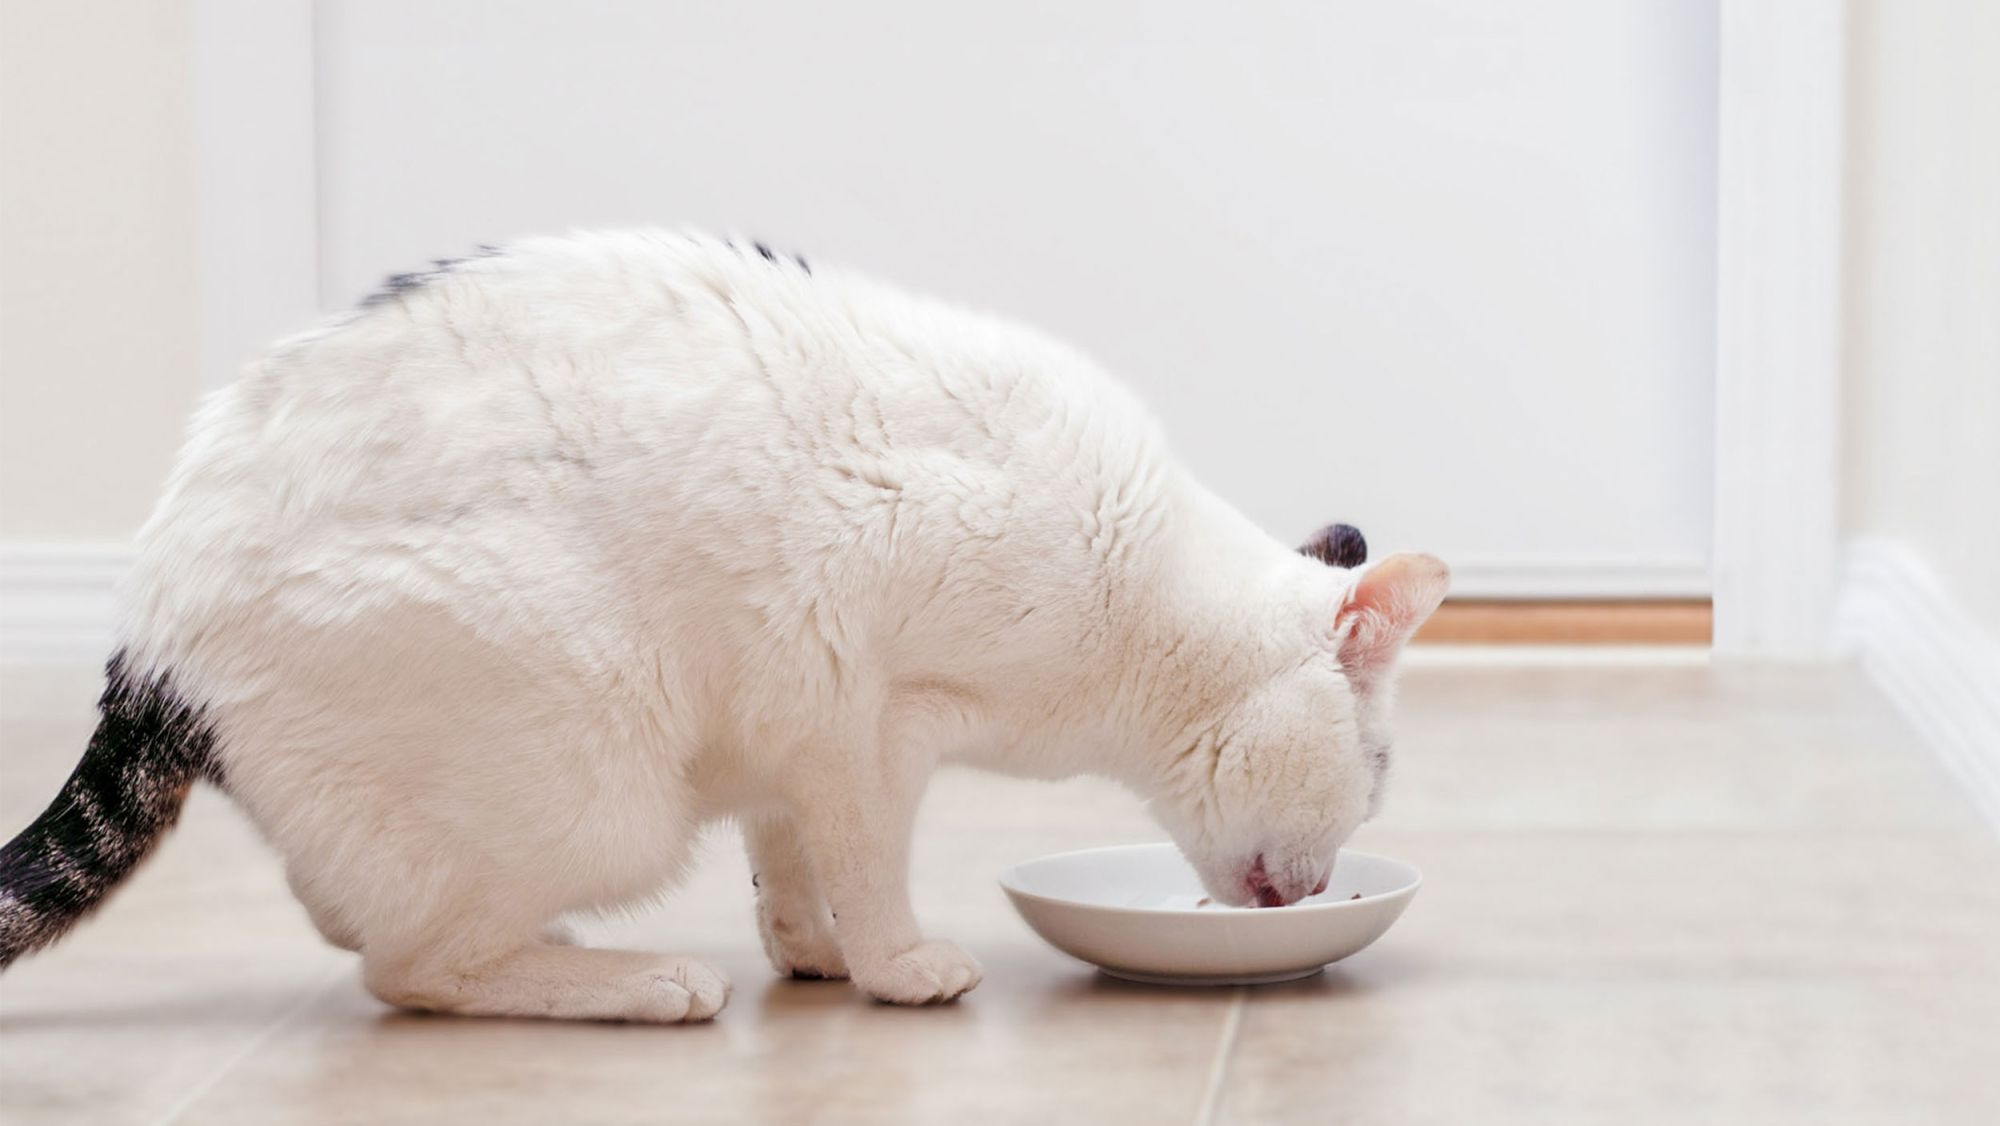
(1010, 884)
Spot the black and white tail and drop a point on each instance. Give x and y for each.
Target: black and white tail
(149, 748)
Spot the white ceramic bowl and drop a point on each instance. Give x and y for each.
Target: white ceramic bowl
(1137, 912)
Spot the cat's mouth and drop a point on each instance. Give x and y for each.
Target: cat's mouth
(1263, 891)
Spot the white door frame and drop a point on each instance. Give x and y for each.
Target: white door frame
(1778, 284)
(1777, 402)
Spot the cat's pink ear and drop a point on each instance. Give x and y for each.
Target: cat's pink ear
(1385, 606)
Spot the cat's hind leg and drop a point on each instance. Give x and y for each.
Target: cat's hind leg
(792, 916)
(457, 943)
(337, 931)
(440, 804)
(457, 936)
(537, 979)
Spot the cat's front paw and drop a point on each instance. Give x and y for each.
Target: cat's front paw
(925, 974)
(807, 953)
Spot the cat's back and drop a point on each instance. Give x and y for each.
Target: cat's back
(565, 424)
(633, 369)
(593, 349)
(455, 434)
(532, 372)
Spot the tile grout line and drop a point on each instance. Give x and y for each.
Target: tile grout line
(290, 1013)
(1218, 1070)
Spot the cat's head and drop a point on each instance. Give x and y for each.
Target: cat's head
(1295, 766)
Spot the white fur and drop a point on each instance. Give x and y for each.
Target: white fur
(495, 592)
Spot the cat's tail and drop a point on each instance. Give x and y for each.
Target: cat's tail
(122, 798)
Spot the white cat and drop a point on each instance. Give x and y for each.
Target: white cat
(484, 599)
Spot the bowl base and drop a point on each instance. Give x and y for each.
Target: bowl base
(1209, 979)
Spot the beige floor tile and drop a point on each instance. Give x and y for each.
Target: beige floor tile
(786, 1052)
(1371, 1046)
(1676, 746)
(1546, 903)
(1597, 976)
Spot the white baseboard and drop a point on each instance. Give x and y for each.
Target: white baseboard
(1929, 658)
(58, 601)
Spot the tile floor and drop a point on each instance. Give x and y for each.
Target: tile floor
(1666, 893)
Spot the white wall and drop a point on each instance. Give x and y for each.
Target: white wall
(1442, 269)
(1923, 295)
(97, 252)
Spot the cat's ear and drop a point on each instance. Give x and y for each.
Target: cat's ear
(1385, 606)
(1337, 545)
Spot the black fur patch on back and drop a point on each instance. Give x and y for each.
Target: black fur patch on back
(127, 791)
(397, 285)
(1337, 545)
(776, 257)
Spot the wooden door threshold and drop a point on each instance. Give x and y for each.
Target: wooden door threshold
(1680, 621)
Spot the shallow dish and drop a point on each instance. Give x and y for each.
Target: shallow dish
(1136, 912)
